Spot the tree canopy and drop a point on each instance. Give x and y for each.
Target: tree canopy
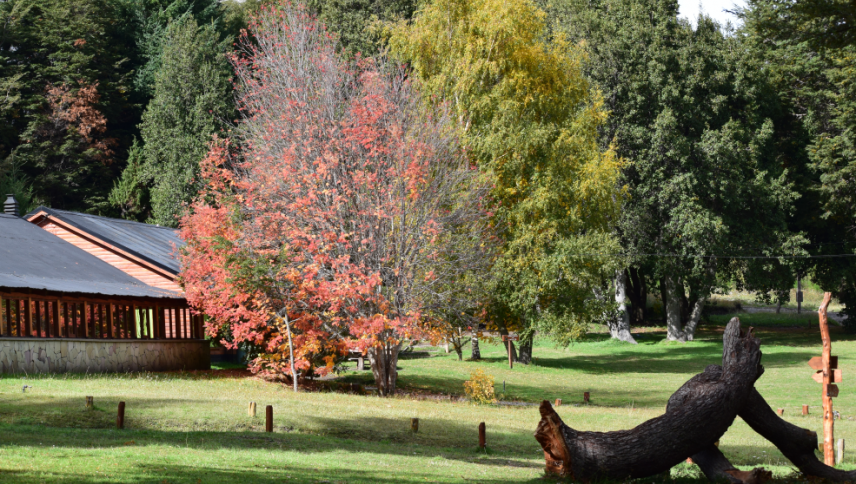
(529, 119)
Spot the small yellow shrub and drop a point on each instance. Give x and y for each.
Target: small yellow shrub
(480, 387)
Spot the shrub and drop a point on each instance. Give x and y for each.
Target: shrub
(480, 388)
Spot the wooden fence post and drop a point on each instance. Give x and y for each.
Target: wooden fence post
(482, 436)
(120, 417)
(269, 418)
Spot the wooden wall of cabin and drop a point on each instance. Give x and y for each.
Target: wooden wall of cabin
(23, 315)
(119, 261)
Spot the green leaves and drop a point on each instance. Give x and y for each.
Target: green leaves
(190, 103)
(530, 121)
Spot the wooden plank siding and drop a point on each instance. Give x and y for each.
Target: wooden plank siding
(61, 316)
(145, 273)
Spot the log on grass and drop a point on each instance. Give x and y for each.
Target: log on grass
(698, 414)
(795, 443)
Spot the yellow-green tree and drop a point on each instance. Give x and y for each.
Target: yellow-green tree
(529, 119)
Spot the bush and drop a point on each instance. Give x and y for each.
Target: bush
(480, 388)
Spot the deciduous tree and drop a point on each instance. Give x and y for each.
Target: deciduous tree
(529, 119)
(350, 199)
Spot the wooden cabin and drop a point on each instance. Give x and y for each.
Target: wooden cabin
(64, 309)
(143, 251)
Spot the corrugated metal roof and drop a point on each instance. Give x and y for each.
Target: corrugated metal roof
(152, 243)
(33, 258)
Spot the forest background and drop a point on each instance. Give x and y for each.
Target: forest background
(721, 158)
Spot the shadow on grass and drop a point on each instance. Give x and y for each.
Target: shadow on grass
(179, 474)
(55, 443)
(62, 439)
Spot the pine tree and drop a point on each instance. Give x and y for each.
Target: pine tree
(64, 101)
(191, 101)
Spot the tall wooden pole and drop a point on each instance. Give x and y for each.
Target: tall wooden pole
(826, 357)
(290, 348)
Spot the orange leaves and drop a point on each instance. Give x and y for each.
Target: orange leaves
(334, 208)
(75, 110)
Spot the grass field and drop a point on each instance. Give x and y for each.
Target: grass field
(194, 428)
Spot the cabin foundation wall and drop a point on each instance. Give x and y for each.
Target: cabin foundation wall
(79, 355)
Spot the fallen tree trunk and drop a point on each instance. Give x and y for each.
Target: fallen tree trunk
(697, 415)
(695, 420)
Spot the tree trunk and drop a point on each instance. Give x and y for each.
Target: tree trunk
(673, 310)
(698, 414)
(663, 297)
(695, 317)
(696, 417)
(638, 296)
(525, 356)
(619, 327)
(475, 345)
(795, 443)
(384, 361)
(457, 343)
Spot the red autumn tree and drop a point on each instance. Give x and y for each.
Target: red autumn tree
(347, 209)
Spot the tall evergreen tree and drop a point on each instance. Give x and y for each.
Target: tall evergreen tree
(191, 102)
(809, 50)
(64, 106)
(358, 23)
(148, 21)
(697, 122)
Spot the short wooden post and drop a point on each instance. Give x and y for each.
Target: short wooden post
(89, 403)
(414, 425)
(805, 409)
(558, 402)
(482, 436)
(251, 411)
(269, 418)
(120, 418)
(780, 411)
(586, 397)
(839, 457)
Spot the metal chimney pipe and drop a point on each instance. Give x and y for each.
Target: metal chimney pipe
(11, 205)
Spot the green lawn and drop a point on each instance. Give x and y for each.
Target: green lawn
(194, 428)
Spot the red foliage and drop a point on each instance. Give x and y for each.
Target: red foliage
(339, 208)
(74, 111)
